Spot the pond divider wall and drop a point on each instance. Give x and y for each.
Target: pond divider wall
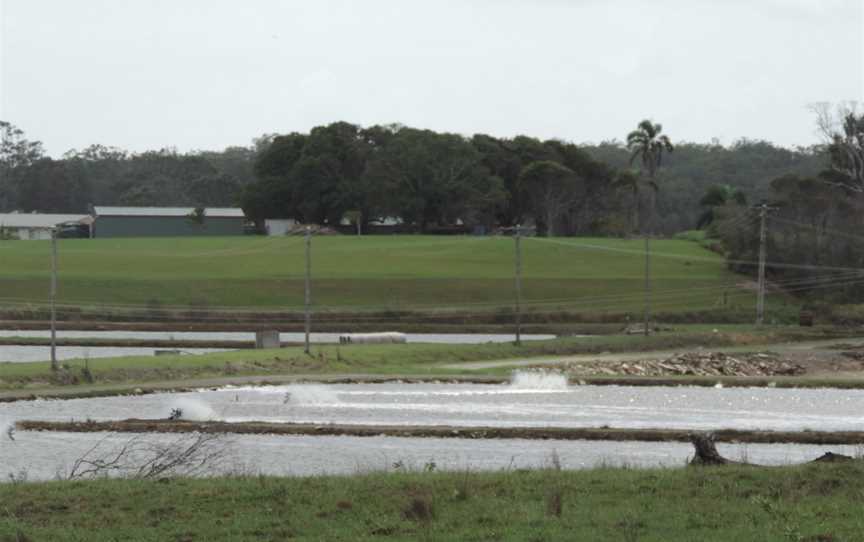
(439, 431)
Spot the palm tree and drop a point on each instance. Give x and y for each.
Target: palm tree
(647, 144)
(718, 195)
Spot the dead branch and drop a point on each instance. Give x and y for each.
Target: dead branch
(193, 454)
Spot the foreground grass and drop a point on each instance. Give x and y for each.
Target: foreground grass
(392, 359)
(587, 275)
(806, 503)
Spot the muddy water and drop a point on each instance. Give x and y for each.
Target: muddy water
(531, 399)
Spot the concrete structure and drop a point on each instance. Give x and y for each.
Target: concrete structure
(165, 222)
(267, 339)
(279, 226)
(26, 226)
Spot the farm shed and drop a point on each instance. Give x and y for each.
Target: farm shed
(37, 225)
(166, 221)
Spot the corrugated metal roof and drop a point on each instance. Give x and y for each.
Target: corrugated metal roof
(217, 212)
(39, 220)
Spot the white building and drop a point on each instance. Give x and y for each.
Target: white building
(36, 225)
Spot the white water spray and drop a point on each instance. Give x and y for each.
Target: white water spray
(538, 380)
(7, 430)
(310, 394)
(193, 410)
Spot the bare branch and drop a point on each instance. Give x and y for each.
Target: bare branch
(191, 455)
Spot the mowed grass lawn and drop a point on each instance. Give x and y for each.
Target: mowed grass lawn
(383, 273)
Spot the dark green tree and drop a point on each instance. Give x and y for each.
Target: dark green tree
(552, 189)
(17, 154)
(718, 195)
(52, 186)
(435, 179)
(272, 195)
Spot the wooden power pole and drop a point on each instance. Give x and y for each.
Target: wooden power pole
(53, 300)
(763, 234)
(647, 315)
(518, 285)
(308, 290)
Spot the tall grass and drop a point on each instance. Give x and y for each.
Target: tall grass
(814, 502)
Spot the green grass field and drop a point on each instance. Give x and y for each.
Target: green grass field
(371, 273)
(819, 502)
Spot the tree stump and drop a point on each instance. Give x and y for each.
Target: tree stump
(706, 451)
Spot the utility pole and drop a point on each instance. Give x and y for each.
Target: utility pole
(518, 274)
(647, 315)
(763, 234)
(308, 295)
(53, 302)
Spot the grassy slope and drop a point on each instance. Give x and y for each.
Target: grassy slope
(393, 272)
(398, 359)
(815, 502)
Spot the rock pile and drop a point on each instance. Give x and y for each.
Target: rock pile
(694, 364)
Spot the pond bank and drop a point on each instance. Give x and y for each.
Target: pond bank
(444, 431)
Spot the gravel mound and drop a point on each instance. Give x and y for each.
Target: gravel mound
(694, 364)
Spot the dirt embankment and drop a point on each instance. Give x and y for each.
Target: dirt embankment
(437, 431)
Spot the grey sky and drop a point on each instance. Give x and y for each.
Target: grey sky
(205, 74)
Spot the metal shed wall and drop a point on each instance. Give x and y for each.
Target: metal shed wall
(165, 226)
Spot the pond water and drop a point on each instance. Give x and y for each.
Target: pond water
(530, 399)
(23, 354)
(19, 354)
(43, 456)
(322, 338)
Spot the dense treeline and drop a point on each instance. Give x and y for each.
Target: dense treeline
(32, 181)
(814, 225)
(428, 179)
(693, 168)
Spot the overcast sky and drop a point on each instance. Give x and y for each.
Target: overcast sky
(205, 74)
